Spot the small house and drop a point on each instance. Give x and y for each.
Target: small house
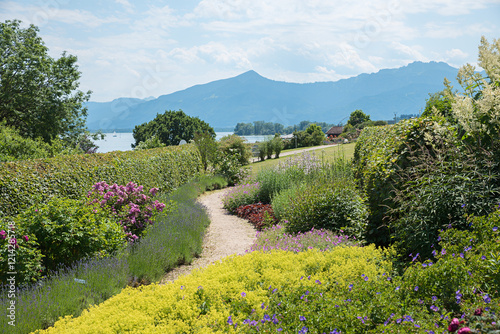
(334, 131)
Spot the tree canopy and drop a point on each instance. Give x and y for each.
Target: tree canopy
(358, 117)
(171, 127)
(38, 94)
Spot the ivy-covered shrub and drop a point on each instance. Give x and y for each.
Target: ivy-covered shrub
(335, 206)
(71, 176)
(418, 178)
(20, 255)
(67, 230)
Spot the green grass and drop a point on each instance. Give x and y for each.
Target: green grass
(326, 153)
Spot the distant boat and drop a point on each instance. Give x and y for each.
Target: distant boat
(114, 134)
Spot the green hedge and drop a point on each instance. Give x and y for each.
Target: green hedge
(419, 177)
(24, 183)
(381, 154)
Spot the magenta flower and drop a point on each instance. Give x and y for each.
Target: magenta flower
(3, 234)
(463, 330)
(454, 324)
(26, 238)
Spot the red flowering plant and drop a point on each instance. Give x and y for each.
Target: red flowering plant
(129, 205)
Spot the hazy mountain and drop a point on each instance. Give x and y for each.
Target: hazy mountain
(250, 97)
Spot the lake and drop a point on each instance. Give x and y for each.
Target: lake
(122, 141)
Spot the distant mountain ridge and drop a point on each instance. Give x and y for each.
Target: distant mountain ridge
(250, 97)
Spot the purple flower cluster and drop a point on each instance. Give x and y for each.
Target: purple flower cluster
(276, 238)
(132, 208)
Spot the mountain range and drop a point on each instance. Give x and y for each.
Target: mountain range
(250, 97)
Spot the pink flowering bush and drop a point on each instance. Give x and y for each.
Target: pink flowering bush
(129, 205)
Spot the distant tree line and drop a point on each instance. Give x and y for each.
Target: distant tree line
(261, 128)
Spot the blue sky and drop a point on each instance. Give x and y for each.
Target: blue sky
(149, 48)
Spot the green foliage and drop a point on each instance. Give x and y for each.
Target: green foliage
(239, 195)
(234, 145)
(440, 103)
(152, 142)
(467, 267)
(277, 144)
(171, 127)
(357, 117)
(335, 206)
(316, 135)
(207, 147)
(71, 176)
(228, 166)
(262, 150)
(269, 148)
(38, 94)
(380, 154)
(19, 253)
(68, 230)
(15, 147)
(438, 189)
(282, 200)
(174, 238)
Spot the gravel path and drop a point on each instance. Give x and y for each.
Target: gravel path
(226, 235)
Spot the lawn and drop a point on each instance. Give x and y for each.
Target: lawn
(328, 153)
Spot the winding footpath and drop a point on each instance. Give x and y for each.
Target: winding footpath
(226, 235)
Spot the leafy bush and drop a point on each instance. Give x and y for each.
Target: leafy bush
(234, 144)
(240, 195)
(439, 190)
(282, 200)
(277, 143)
(260, 215)
(262, 150)
(128, 205)
(13, 146)
(71, 176)
(467, 267)
(19, 254)
(149, 143)
(67, 230)
(230, 168)
(336, 206)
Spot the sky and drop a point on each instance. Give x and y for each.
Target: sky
(150, 48)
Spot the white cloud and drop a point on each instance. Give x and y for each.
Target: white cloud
(41, 15)
(413, 52)
(456, 53)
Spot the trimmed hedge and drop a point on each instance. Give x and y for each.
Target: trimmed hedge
(419, 177)
(24, 183)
